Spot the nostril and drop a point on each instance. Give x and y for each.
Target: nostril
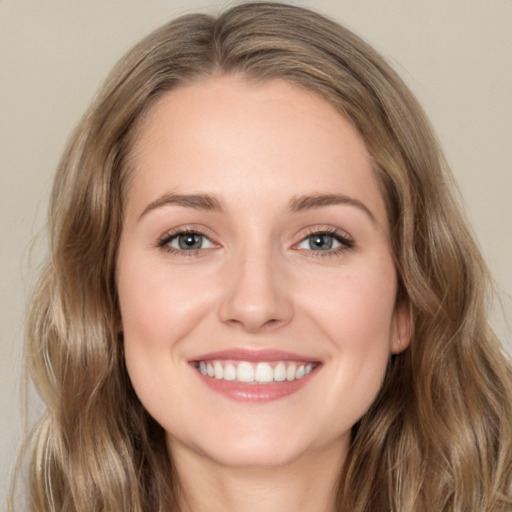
(254, 326)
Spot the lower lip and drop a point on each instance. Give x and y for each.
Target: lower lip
(243, 392)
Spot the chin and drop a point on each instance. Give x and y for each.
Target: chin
(253, 456)
(258, 447)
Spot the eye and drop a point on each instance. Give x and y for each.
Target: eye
(319, 242)
(185, 241)
(325, 241)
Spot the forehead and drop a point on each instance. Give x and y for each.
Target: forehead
(224, 135)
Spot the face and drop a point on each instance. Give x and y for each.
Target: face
(256, 283)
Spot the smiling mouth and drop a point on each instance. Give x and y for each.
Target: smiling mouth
(254, 373)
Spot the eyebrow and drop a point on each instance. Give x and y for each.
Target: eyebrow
(297, 204)
(195, 201)
(310, 202)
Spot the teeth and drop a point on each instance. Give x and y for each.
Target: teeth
(280, 372)
(263, 373)
(291, 371)
(245, 372)
(219, 371)
(260, 373)
(229, 372)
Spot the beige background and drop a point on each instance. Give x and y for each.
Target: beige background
(455, 55)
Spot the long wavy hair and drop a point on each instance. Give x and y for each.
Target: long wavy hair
(438, 436)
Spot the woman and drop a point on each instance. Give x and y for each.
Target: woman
(261, 293)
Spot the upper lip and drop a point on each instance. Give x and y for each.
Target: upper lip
(253, 355)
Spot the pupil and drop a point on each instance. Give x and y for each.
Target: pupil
(190, 241)
(323, 242)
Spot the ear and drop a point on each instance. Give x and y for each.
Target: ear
(401, 332)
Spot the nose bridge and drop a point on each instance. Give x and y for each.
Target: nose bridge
(255, 296)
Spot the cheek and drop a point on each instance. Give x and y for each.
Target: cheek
(158, 306)
(355, 306)
(355, 312)
(158, 311)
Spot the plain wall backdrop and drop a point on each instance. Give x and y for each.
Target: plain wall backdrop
(456, 55)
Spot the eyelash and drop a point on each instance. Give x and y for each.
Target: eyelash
(346, 243)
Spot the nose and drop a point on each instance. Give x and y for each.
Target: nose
(256, 295)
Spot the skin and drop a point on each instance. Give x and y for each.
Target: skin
(256, 283)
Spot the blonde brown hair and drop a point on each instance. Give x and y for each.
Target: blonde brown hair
(439, 435)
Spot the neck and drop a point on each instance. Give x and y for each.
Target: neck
(309, 483)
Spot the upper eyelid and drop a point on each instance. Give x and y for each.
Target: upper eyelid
(200, 230)
(328, 230)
